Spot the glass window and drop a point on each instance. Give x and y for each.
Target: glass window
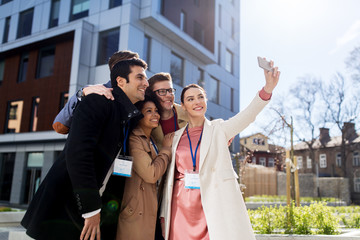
(200, 77)
(338, 159)
(7, 161)
(232, 99)
(271, 162)
(299, 162)
(115, 3)
(147, 50)
(219, 53)
(229, 61)
(25, 23)
(34, 114)
(253, 160)
(356, 184)
(199, 34)
(183, 21)
(262, 161)
(356, 159)
(108, 44)
(64, 99)
(308, 162)
(45, 63)
(177, 69)
(212, 90)
(6, 30)
(79, 9)
(5, 1)
(35, 162)
(2, 69)
(13, 116)
(219, 16)
(54, 14)
(23, 67)
(322, 161)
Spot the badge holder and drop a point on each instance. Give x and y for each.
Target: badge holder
(123, 166)
(192, 179)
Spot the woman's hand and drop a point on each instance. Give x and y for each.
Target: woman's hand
(272, 78)
(100, 90)
(168, 138)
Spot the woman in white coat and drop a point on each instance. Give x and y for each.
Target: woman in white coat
(202, 198)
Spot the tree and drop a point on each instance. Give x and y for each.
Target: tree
(353, 64)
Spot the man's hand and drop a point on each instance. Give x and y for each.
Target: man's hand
(100, 90)
(91, 228)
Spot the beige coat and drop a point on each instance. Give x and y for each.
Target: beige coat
(222, 201)
(138, 212)
(182, 120)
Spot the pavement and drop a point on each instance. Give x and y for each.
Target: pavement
(5, 230)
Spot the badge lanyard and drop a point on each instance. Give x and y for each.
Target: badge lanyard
(175, 120)
(126, 134)
(155, 148)
(123, 163)
(198, 144)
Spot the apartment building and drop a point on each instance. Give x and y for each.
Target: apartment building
(51, 48)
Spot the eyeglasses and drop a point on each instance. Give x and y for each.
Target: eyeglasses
(163, 91)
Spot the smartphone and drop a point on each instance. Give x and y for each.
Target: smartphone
(264, 64)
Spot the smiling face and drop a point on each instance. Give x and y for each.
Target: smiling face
(195, 102)
(151, 116)
(135, 88)
(167, 101)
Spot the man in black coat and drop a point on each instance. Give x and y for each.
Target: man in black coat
(71, 202)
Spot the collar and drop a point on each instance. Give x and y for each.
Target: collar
(123, 99)
(137, 131)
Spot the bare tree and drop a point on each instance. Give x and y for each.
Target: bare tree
(353, 64)
(341, 106)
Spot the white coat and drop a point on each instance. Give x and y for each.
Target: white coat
(222, 201)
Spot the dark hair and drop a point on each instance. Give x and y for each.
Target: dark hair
(159, 77)
(122, 69)
(193, 85)
(120, 56)
(140, 104)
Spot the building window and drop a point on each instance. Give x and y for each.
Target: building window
(232, 28)
(7, 161)
(259, 141)
(54, 14)
(356, 184)
(200, 77)
(271, 162)
(35, 162)
(5, 1)
(25, 23)
(177, 69)
(212, 90)
(229, 61)
(79, 9)
(232, 99)
(13, 116)
(308, 162)
(219, 53)
(356, 159)
(253, 160)
(262, 161)
(108, 44)
(115, 3)
(338, 159)
(182, 21)
(2, 69)
(299, 162)
(199, 34)
(23, 67)
(322, 161)
(45, 63)
(6, 30)
(34, 114)
(64, 99)
(147, 50)
(220, 16)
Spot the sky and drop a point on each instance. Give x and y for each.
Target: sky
(302, 37)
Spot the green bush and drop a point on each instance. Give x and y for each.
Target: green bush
(352, 221)
(5, 209)
(282, 198)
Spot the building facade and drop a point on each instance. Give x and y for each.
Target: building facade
(329, 159)
(261, 152)
(51, 48)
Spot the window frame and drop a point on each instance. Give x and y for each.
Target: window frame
(105, 52)
(356, 159)
(40, 62)
(173, 75)
(78, 15)
(53, 22)
(322, 160)
(22, 31)
(6, 29)
(299, 160)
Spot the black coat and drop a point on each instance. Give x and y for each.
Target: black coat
(71, 187)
